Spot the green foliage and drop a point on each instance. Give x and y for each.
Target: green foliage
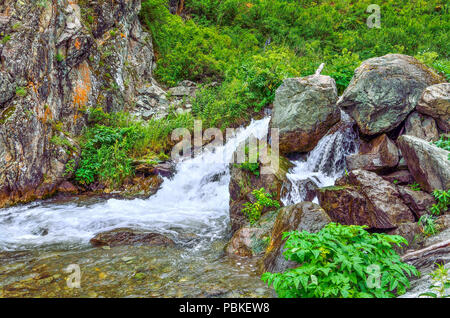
(113, 141)
(251, 164)
(441, 282)
(444, 143)
(60, 57)
(250, 46)
(70, 167)
(5, 39)
(415, 186)
(263, 199)
(342, 261)
(426, 222)
(443, 201)
(21, 91)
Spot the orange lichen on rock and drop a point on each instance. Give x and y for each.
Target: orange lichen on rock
(83, 87)
(77, 44)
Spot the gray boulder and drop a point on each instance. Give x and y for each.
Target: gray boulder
(427, 163)
(421, 126)
(435, 102)
(384, 90)
(304, 110)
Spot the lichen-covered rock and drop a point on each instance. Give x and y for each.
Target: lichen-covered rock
(304, 110)
(124, 236)
(421, 126)
(61, 58)
(304, 216)
(364, 198)
(384, 90)
(427, 163)
(435, 102)
(380, 154)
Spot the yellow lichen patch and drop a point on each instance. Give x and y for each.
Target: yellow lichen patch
(83, 88)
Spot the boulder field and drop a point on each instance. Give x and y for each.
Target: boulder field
(401, 108)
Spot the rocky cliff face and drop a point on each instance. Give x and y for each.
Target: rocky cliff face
(58, 58)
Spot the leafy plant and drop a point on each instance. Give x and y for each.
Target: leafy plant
(426, 222)
(443, 201)
(415, 186)
(252, 166)
(441, 282)
(263, 199)
(342, 261)
(444, 143)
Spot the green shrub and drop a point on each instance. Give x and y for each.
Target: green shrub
(342, 261)
(114, 140)
(426, 222)
(444, 143)
(443, 201)
(263, 199)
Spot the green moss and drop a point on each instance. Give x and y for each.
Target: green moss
(6, 114)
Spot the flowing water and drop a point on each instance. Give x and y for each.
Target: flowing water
(323, 165)
(39, 240)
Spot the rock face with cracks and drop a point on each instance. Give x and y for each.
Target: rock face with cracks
(61, 58)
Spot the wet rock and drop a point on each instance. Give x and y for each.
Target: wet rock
(427, 163)
(364, 198)
(421, 126)
(119, 237)
(380, 154)
(304, 110)
(418, 201)
(164, 169)
(400, 177)
(384, 90)
(252, 240)
(67, 187)
(304, 216)
(305, 188)
(435, 102)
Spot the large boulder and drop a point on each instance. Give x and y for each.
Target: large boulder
(421, 126)
(380, 154)
(304, 110)
(364, 198)
(427, 163)
(435, 102)
(304, 216)
(384, 90)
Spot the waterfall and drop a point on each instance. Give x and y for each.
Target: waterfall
(322, 166)
(195, 201)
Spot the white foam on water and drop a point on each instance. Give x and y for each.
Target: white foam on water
(195, 200)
